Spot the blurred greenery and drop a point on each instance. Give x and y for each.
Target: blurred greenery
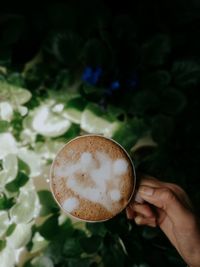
(127, 70)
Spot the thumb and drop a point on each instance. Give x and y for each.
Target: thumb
(165, 199)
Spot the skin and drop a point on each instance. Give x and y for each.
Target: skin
(172, 212)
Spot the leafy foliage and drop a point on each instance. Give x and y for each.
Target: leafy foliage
(19, 181)
(4, 126)
(5, 203)
(48, 204)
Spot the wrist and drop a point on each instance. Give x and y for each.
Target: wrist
(194, 260)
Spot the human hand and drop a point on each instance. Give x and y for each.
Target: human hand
(167, 205)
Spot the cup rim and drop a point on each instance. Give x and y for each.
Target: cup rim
(134, 178)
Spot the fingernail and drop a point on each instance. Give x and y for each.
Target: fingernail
(129, 214)
(138, 220)
(138, 199)
(148, 191)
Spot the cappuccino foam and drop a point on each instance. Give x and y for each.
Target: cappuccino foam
(92, 178)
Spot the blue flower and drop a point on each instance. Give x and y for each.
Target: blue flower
(115, 85)
(87, 73)
(91, 75)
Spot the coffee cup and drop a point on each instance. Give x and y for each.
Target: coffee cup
(92, 178)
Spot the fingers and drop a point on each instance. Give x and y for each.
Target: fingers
(143, 209)
(168, 198)
(130, 213)
(142, 214)
(137, 198)
(165, 199)
(153, 182)
(139, 220)
(150, 181)
(177, 190)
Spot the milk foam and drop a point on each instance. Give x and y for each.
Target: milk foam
(120, 166)
(115, 195)
(70, 204)
(100, 170)
(86, 159)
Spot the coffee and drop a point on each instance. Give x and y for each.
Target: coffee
(92, 178)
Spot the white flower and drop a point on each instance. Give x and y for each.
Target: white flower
(16, 96)
(22, 110)
(48, 123)
(27, 206)
(8, 145)
(7, 256)
(10, 169)
(20, 236)
(33, 160)
(6, 111)
(4, 222)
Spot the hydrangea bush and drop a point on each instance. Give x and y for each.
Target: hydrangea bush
(31, 134)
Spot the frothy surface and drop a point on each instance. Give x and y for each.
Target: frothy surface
(92, 178)
(97, 169)
(70, 204)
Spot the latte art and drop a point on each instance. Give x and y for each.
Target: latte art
(92, 178)
(103, 173)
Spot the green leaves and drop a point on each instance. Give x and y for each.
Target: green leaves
(164, 100)
(96, 53)
(79, 262)
(156, 50)
(172, 101)
(16, 78)
(54, 250)
(113, 252)
(65, 245)
(23, 167)
(14, 94)
(156, 80)
(4, 125)
(37, 243)
(48, 203)
(49, 228)
(5, 203)
(94, 120)
(145, 101)
(91, 244)
(97, 229)
(162, 127)
(2, 244)
(40, 261)
(129, 132)
(74, 109)
(11, 229)
(186, 73)
(65, 46)
(72, 247)
(19, 181)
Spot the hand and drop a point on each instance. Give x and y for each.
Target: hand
(172, 212)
